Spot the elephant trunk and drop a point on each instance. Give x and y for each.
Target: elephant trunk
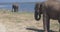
(38, 11)
(37, 15)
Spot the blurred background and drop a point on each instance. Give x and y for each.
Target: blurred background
(24, 5)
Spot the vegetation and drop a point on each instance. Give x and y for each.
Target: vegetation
(19, 21)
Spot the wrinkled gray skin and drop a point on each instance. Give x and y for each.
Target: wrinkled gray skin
(50, 10)
(14, 8)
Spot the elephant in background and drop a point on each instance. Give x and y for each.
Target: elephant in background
(15, 7)
(50, 10)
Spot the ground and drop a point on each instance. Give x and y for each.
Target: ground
(23, 22)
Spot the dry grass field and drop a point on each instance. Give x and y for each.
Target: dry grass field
(21, 21)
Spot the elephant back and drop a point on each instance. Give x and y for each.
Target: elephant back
(52, 4)
(15, 5)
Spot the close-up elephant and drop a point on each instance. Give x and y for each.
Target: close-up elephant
(50, 10)
(14, 7)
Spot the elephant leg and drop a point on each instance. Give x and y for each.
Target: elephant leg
(46, 22)
(15, 10)
(12, 9)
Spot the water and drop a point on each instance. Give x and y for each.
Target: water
(22, 7)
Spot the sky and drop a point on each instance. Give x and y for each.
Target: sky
(21, 1)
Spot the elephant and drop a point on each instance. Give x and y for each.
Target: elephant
(14, 7)
(50, 10)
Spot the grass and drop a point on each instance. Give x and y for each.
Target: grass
(19, 21)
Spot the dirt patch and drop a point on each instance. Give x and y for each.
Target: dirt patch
(15, 22)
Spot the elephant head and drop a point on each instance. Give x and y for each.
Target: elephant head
(38, 11)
